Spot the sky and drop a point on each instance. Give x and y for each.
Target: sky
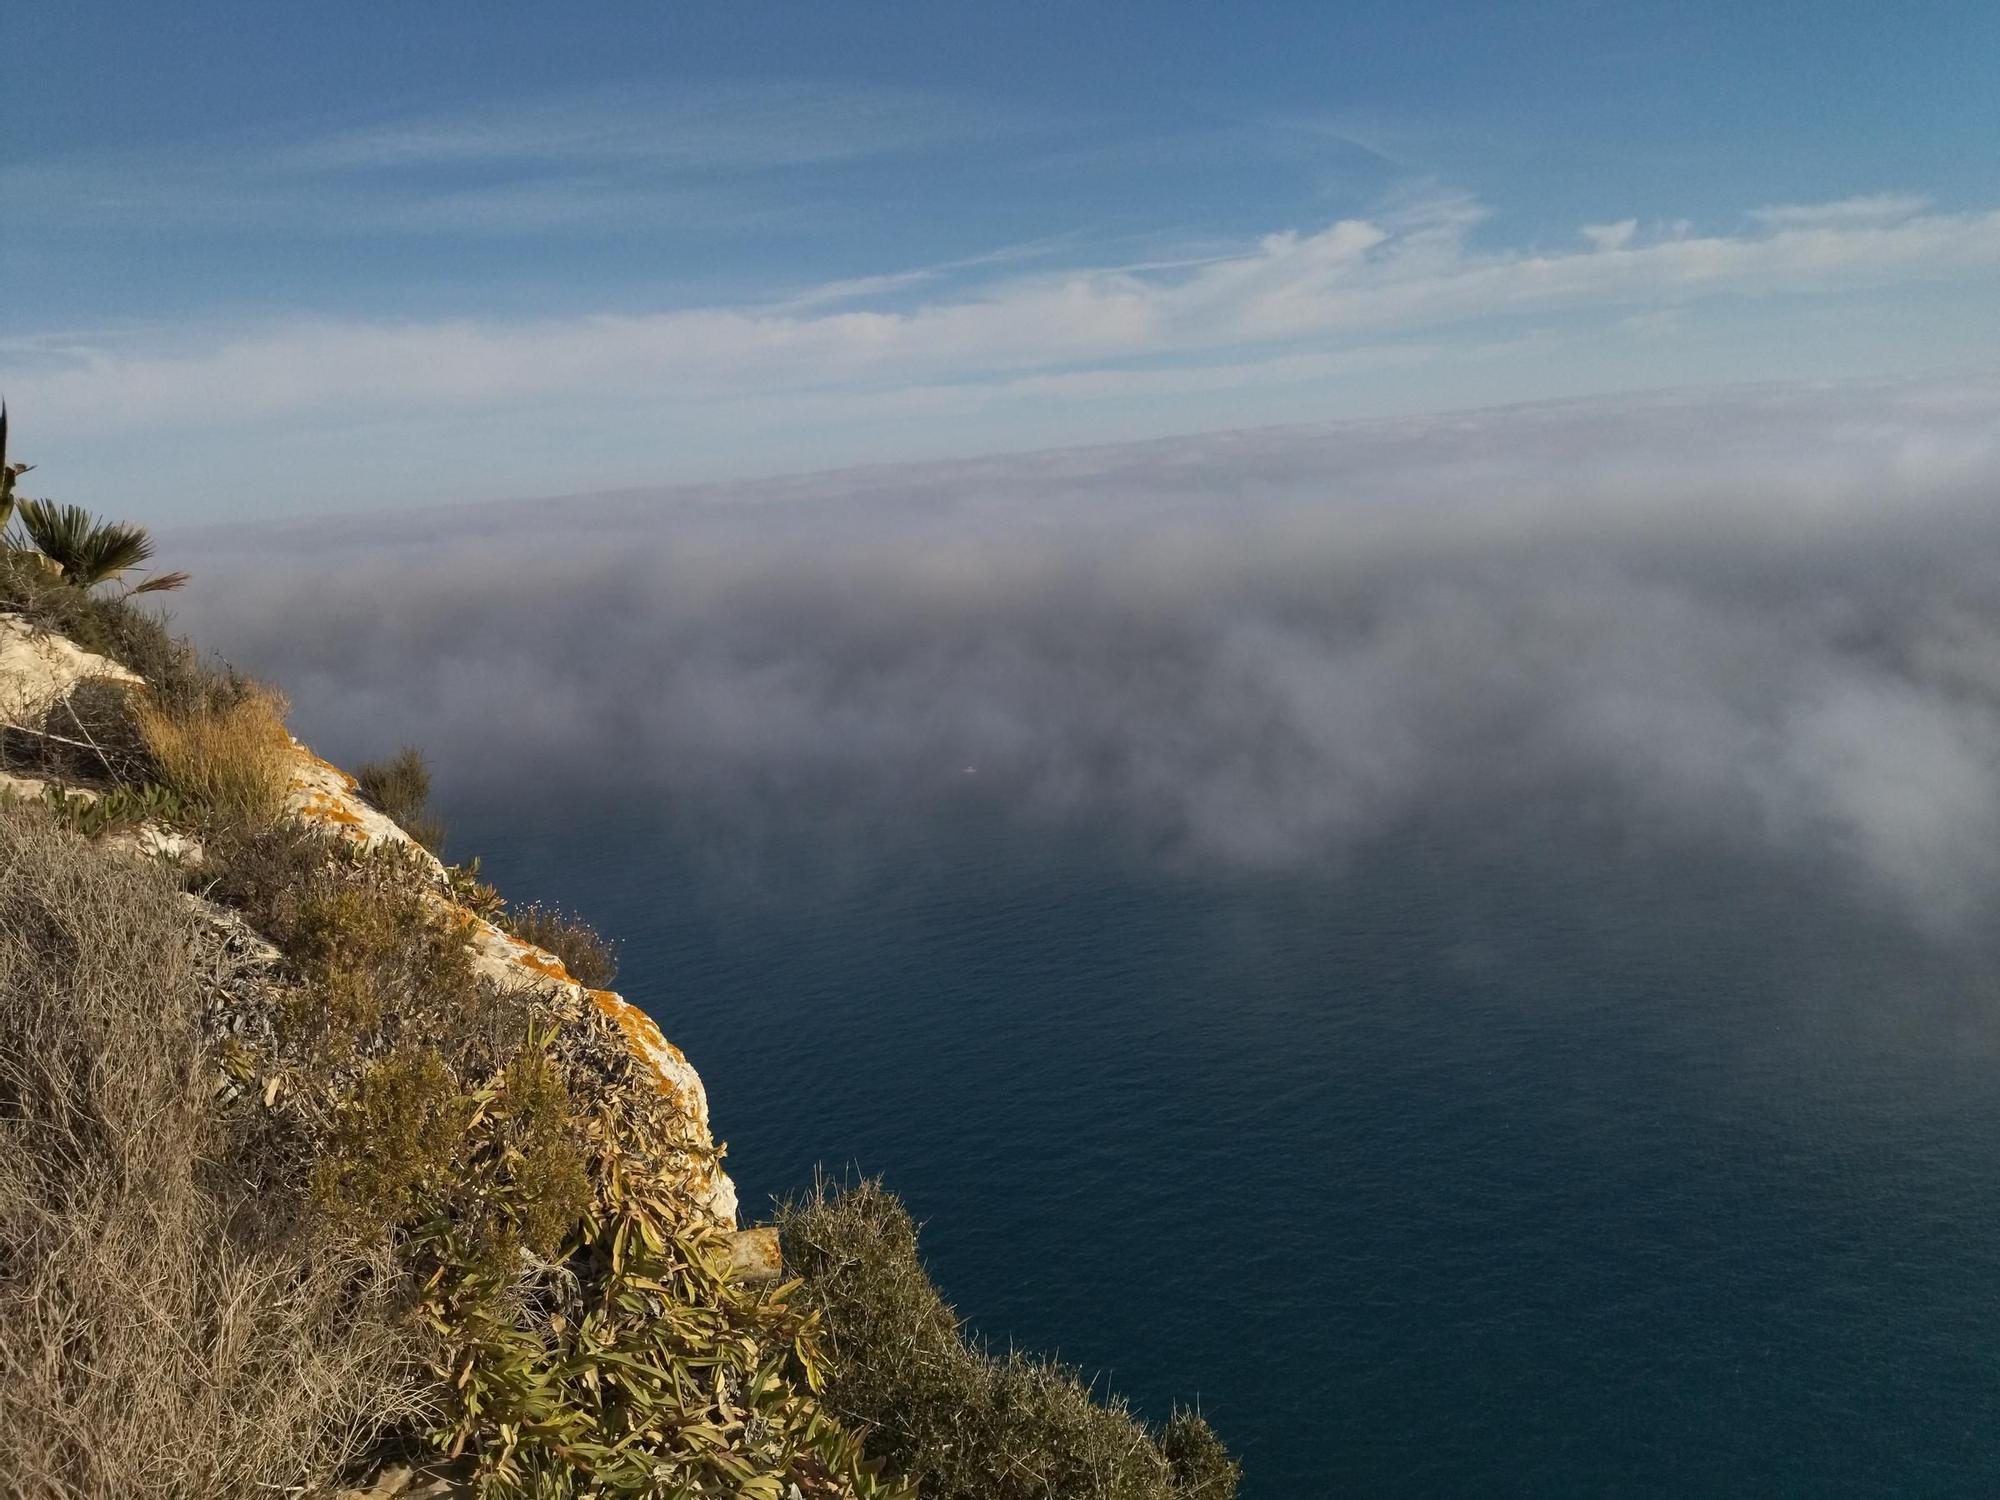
(274, 259)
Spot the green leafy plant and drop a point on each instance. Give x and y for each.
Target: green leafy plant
(962, 1422)
(121, 807)
(470, 891)
(650, 1374)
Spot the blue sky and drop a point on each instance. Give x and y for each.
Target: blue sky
(271, 258)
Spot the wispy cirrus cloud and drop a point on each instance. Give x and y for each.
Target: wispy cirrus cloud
(612, 156)
(731, 128)
(1354, 280)
(980, 353)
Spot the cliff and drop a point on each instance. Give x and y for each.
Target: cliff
(316, 1177)
(391, 1072)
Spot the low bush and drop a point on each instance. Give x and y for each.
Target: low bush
(576, 1293)
(592, 960)
(233, 760)
(117, 810)
(401, 787)
(165, 1334)
(30, 588)
(961, 1422)
(260, 871)
(629, 1364)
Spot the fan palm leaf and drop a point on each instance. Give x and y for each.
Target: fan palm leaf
(88, 551)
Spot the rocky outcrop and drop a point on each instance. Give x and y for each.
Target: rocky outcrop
(38, 670)
(327, 797)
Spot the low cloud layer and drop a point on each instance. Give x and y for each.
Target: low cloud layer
(1769, 618)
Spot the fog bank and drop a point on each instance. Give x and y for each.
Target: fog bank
(1765, 617)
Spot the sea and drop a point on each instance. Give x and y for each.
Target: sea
(1507, 1154)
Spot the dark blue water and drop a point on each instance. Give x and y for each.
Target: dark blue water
(1503, 1158)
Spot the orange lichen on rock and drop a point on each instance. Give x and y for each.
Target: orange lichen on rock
(326, 765)
(545, 964)
(320, 808)
(643, 1034)
(324, 794)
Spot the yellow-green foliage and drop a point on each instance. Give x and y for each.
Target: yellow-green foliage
(233, 759)
(965, 1424)
(394, 1144)
(655, 1376)
(588, 1339)
(415, 1146)
(371, 949)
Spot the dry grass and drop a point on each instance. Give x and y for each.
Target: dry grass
(964, 1423)
(162, 1334)
(231, 758)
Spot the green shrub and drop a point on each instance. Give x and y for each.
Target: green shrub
(589, 1340)
(401, 787)
(644, 1371)
(592, 961)
(1202, 1467)
(415, 1145)
(393, 1146)
(115, 810)
(374, 953)
(963, 1423)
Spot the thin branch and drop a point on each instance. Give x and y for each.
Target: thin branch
(43, 734)
(69, 707)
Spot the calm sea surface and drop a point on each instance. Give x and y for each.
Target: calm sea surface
(1512, 1161)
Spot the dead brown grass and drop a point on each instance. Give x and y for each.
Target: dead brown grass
(231, 758)
(163, 1336)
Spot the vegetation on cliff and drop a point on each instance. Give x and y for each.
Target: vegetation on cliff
(290, 1184)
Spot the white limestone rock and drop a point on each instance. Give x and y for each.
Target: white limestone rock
(38, 669)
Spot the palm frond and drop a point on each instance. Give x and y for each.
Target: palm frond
(88, 550)
(159, 583)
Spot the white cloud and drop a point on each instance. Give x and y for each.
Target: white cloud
(720, 128)
(1877, 208)
(1764, 620)
(1333, 290)
(1611, 236)
(629, 157)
